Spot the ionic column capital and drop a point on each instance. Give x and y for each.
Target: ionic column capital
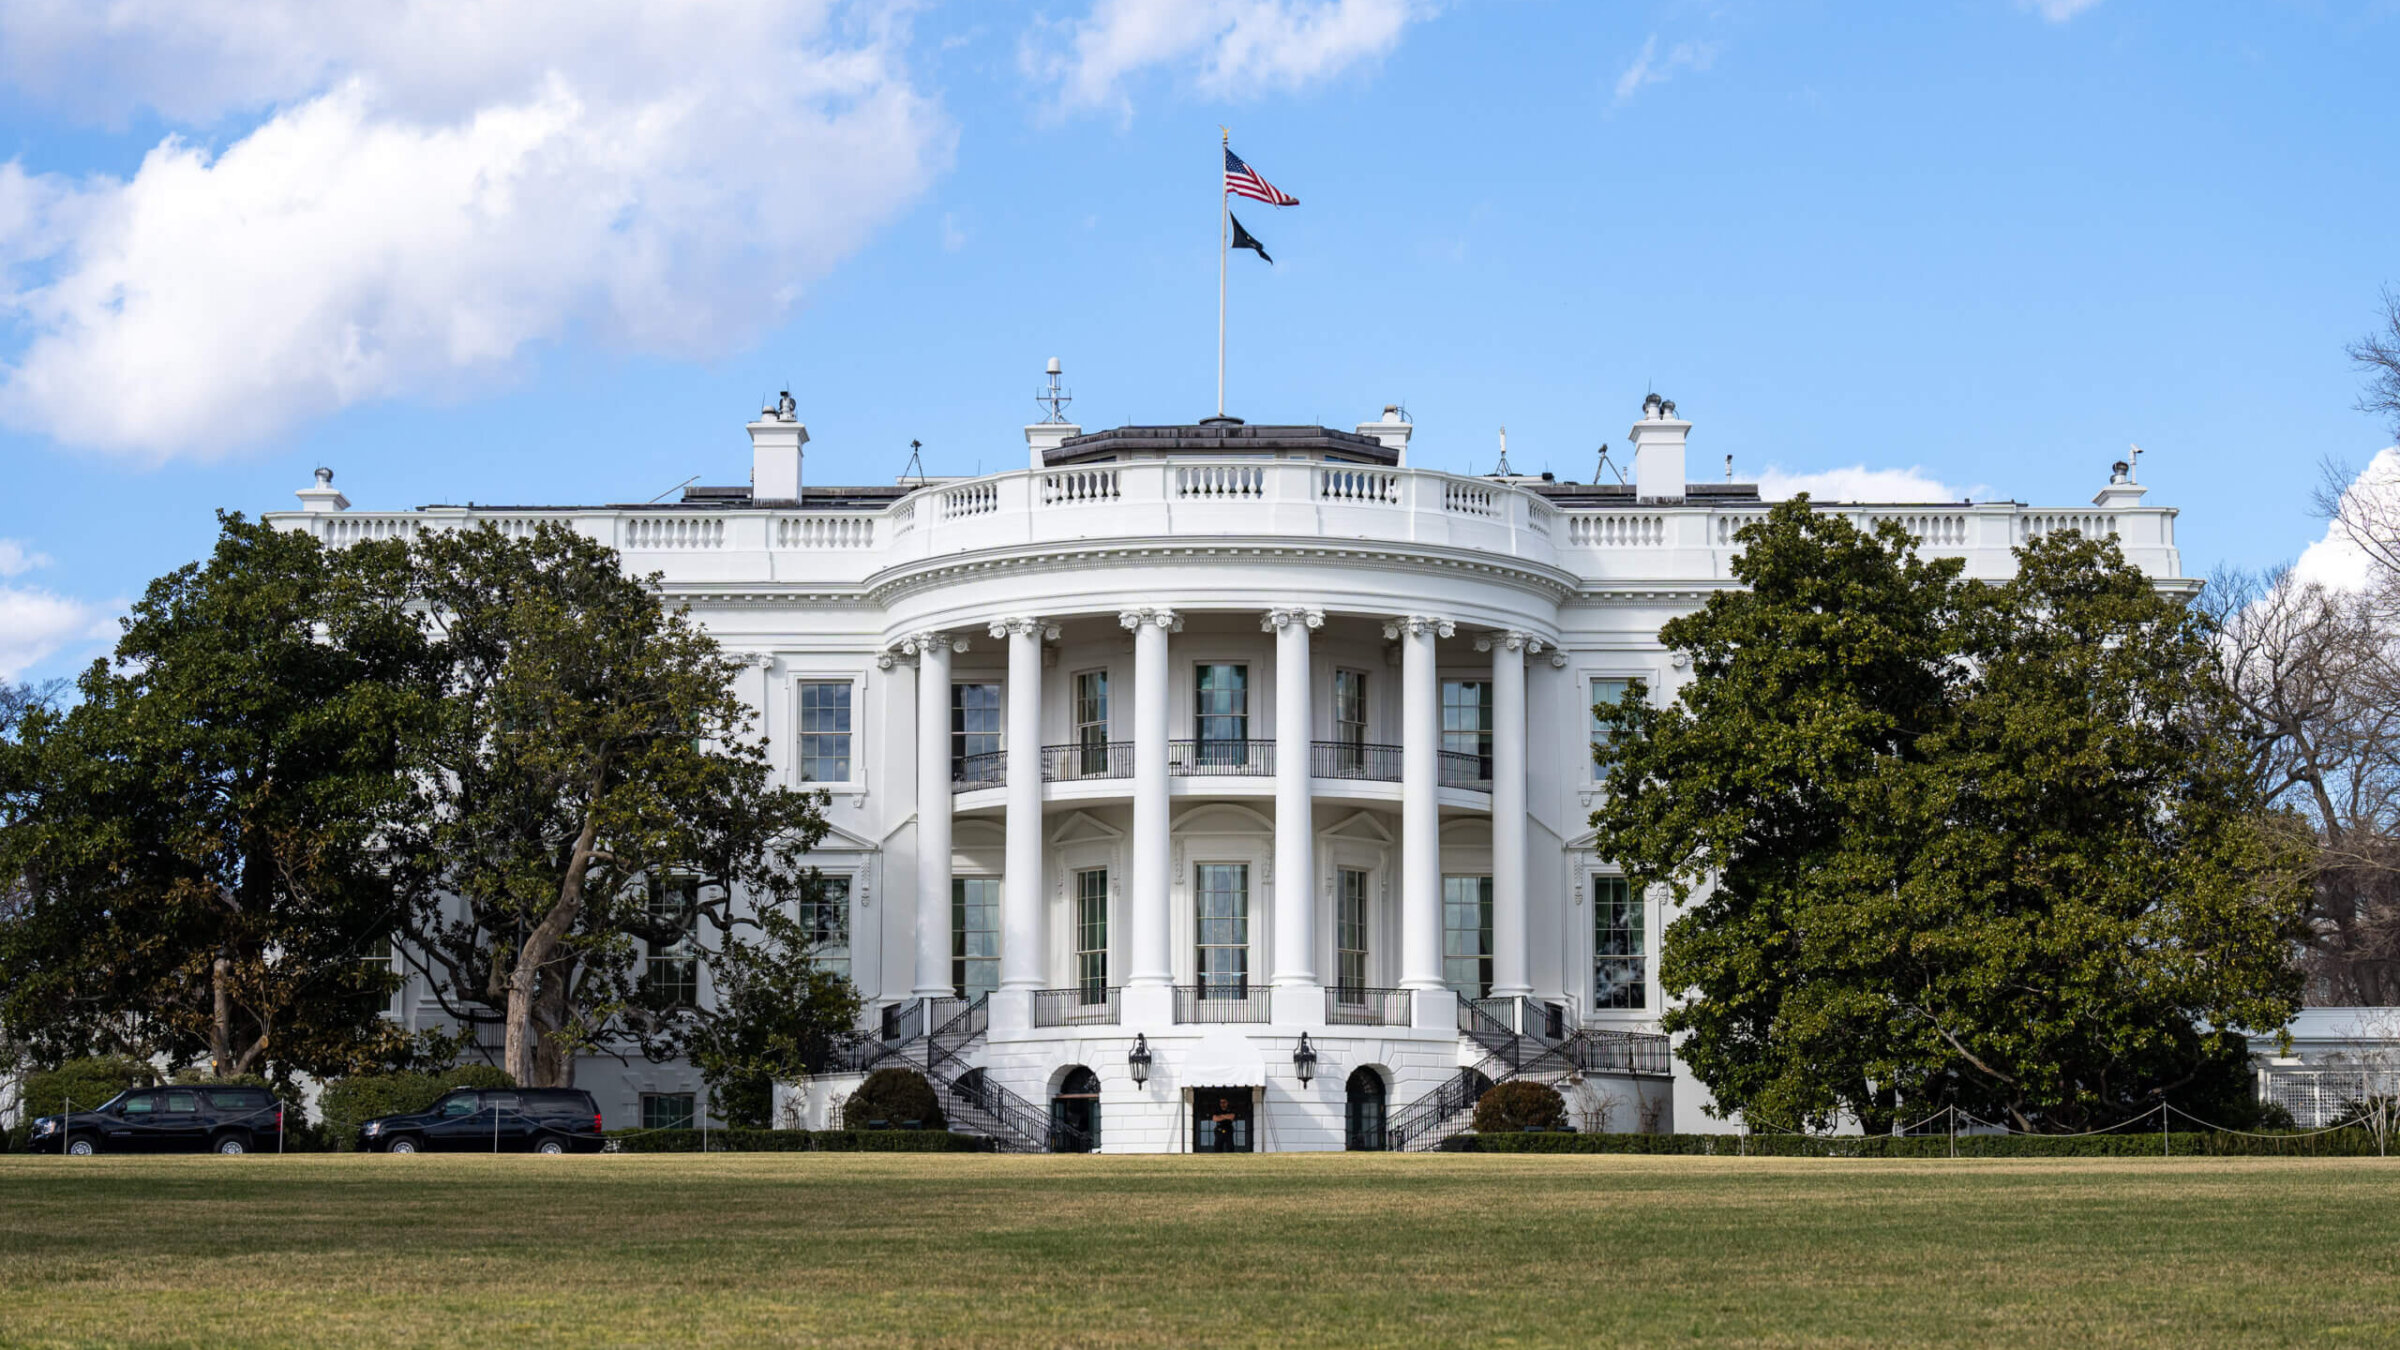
(1280, 618)
(917, 644)
(1021, 626)
(1509, 640)
(1419, 625)
(1166, 619)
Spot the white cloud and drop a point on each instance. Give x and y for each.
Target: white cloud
(1232, 48)
(2335, 562)
(36, 624)
(2058, 11)
(16, 559)
(1858, 483)
(1650, 68)
(434, 188)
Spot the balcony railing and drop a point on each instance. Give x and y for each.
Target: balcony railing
(1088, 1007)
(1355, 1006)
(1340, 759)
(986, 770)
(1075, 763)
(1223, 1003)
(1192, 759)
(1463, 770)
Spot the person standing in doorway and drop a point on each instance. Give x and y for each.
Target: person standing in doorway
(1223, 1120)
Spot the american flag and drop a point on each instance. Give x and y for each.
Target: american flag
(1243, 181)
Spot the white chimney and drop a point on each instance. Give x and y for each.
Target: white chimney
(775, 441)
(324, 496)
(1658, 451)
(1055, 430)
(1392, 431)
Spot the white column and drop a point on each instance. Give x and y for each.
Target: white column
(1299, 995)
(1421, 819)
(1511, 957)
(1149, 981)
(933, 811)
(1021, 946)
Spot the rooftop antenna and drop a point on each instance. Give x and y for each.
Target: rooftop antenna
(2133, 466)
(1057, 398)
(1604, 468)
(684, 484)
(1501, 470)
(916, 461)
(1729, 468)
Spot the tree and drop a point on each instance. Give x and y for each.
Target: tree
(779, 1015)
(193, 842)
(592, 785)
(1991, 845)
(2378, 353)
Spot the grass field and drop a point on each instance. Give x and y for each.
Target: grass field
(679, 1250)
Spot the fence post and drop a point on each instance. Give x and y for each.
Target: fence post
(704, 1127)
(66, 1121)
(279, 1127)
(1952, 1112)
(2165, 1150)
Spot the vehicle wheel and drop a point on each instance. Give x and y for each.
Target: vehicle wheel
(403, 1144)
(550, 1146)
(82, 1148)
(230, 1144)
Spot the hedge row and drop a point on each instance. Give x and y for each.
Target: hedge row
(350, 1102)
(801, 1141)
(2344, 1143)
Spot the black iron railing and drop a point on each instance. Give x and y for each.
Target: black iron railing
(951, 1035)
(1356, 1006)
(1431, 1115)
(1092, 1007)
(1012, 1114)
(1340, 759)
(970, 772)
(1619, 1052)
(1191, 759)
(1463, 770)
(1074, 763)
(1223, 1003)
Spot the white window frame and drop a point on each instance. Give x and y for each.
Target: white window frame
(857, 781)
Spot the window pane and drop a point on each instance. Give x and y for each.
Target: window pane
(1467, 935)
(667, 1111)
(825, 731)
(1609, 691)
(1091, 936)
(974, 724)
(1224, 927)
(825, 920)
(1350, 935)
(1467, 721)
(1619, 978)
(671, 975)
(974, 935)
(1222, 705)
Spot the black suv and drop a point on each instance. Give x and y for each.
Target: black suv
(489, 1120)
(195, 1119)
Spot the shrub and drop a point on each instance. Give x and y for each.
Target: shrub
(350, 1102)
(2345, 1143)
(895, 1097)
(802, 1141)
(84, 1083)
(1520, 1105)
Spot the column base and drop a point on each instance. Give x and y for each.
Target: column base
(1148, 1007)
(1435, 1010)
(1299, 1005)
(1010, 1010)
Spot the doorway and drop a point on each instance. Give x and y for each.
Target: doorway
(1221, 1120)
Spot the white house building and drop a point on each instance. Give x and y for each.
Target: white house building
(1217, 785)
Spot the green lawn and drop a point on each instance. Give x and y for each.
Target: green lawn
(680, 1250)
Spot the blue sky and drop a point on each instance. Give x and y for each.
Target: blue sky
(1974, 245)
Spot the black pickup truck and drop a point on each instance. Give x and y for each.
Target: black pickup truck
(195, 1119)
(489, 1120)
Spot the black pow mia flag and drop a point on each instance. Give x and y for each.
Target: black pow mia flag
(1244, 239)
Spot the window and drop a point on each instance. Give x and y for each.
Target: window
(671, 977)
(1608, 690)
(825, 731)
(1091, 722)
(1467, 935)
(1350, 721)
(667, 1111)
(1350, 935)
(825, 920)
(974, 936)
(1618, 980)
(1467, 722)
(1091, 936)
(382, 994)
(182, 1103)
(1222, 711)
(974, 732)
(1224, 929)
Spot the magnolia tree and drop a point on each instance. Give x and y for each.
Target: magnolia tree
(1948, 842)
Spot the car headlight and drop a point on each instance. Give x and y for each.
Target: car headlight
(45, 1126)
(374, 1127)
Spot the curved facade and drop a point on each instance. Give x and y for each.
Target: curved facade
(1249, 758)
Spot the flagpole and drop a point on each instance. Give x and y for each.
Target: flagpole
(1224, 213)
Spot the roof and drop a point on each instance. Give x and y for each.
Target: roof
(1221, 436)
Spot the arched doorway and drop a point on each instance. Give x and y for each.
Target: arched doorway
(1075, 1113)
(1364, 1128)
